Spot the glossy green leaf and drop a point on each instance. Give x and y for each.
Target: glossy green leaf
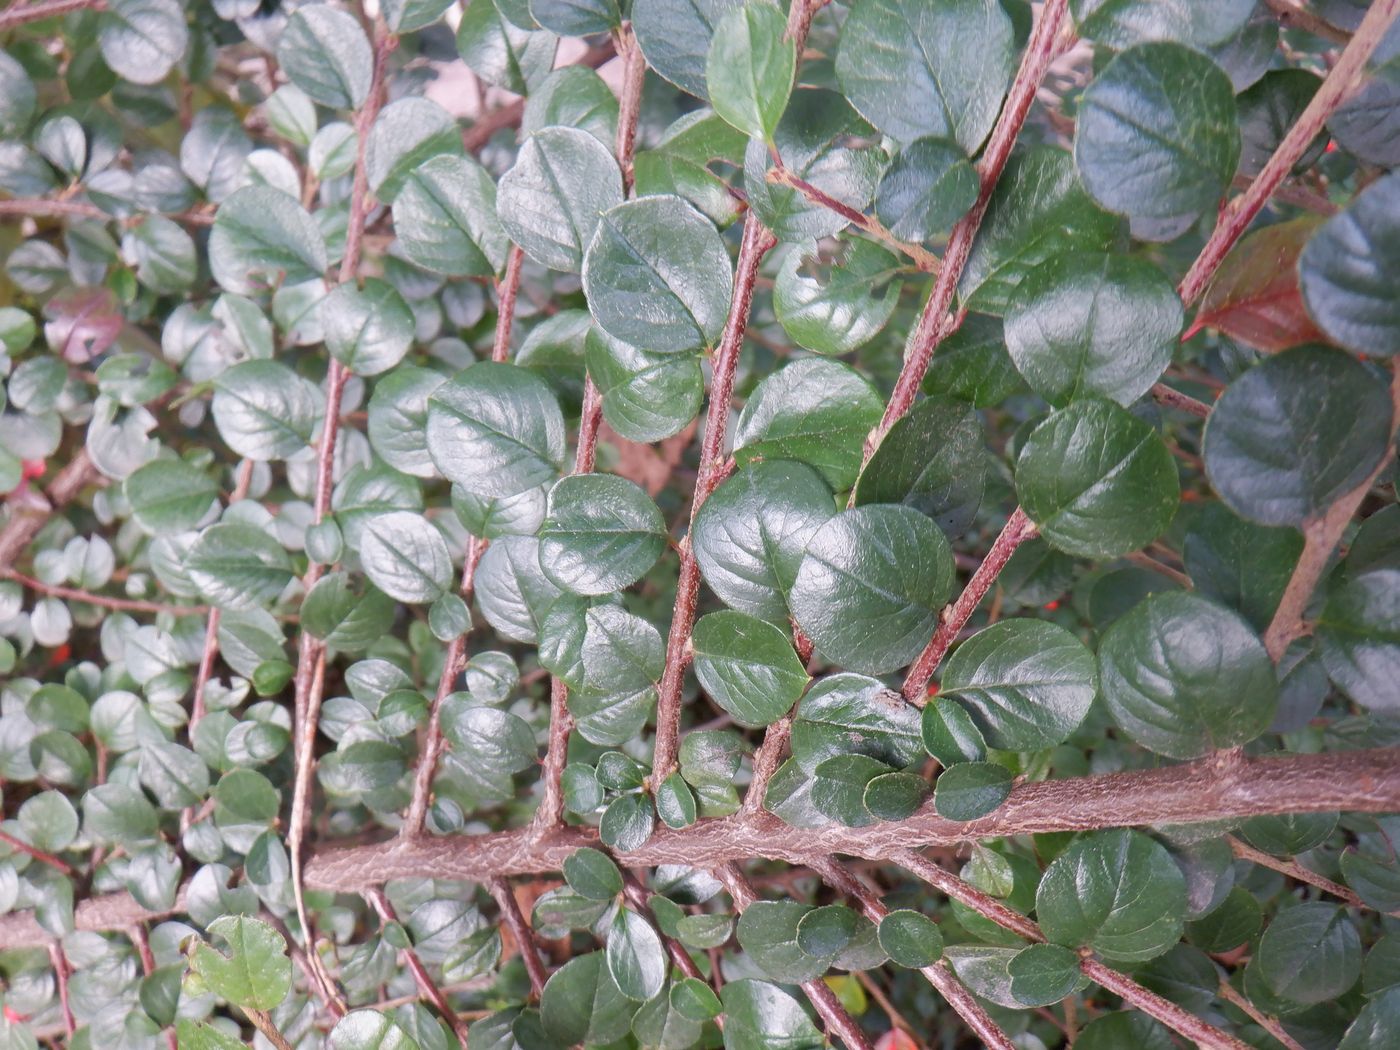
(911, 938)
(839, 787)
(551, 202)
(255, 973)
(970, 790)
(368, 329)
(264, 411)
(407, 133)
(928, 188)
(502, 53)
(750, 66)
(1118, 892)
(262, 239)
(636, 959)
(601, 533)
(325, 53)
(593, 874)
(646, 396)
(1157, 134)
(747, 667)
(1294, 433)
(835, 303)
(657, 275)
(761, 1016)
(582, 1003)
(406, 557)
(238, 566)
(496, 429)
(576, 17)
(904, 66)
(675, 37)
(1043, 974)
(445, 218)
(1123, 23)
(768, 932)
(142, 40)
(870, 587)
(627, 822)
(852, 714)
(1184, 676)
(1310, 953)
(170, 495)
(1097, 481)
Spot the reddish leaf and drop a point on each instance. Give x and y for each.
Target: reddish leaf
(895, 1039)
(82, 323)
(1255, 296)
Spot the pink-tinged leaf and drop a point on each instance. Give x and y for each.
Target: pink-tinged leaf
(82, 322)
(1255, 296)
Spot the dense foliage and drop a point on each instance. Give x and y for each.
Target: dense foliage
(401, 646)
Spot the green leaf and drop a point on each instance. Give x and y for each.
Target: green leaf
(949, 733)
(1027, 684)
(813, 410)
(1268, 110)
(895, 796)
(170, 495)
(657, 275)
(577, 17)
(695, 1000)
(238, 566)
(325, 53)
(646, 396)
(970, 790)
(768, 932)
(839, 787)
(48, 821)
(1231, 923)
(1349, 270)
(1038, 211)
(263, 239)
(592, 874)
(1097, 481)
(1043, 974)
(834, 303)
(1157, 134)
(346, 615)
(502, 53)
(747, 667)
(871, 585)
(911, 938)
(119, 814)
(1310, 953)
(1123, 23)
(600, 534)
(496, 430)
(488, 738)
(195, 1035)
(1084, 325)
(1376, 883)
(406, 134)
(675, 37)
(142, 40)
(1240, 564)
(825, 932)
(932, 460)
(1358, 629)
(165, 255)
(679, 164)
(369, 1030)
(368, 329)
(552, 201)
(1124, 1029)
(1118, 892)
(256, 974)
(750, 535)
(1296, 432)
(928, 188)
(405, 16)
(406, 557)
(627, 823)
(675, 802)
(852, 714)
(1378, 1023)
(904, 66)
(445, 218)
(761, 1016)
(636, 959)
(750, 67)
(18, 101)
(1184, 677)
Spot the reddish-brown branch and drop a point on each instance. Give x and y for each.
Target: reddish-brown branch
(76, 594)
(1344, 78)
(937, 974)
(507, 288)
(40, 855)
(550, 813)
(1320, 538)
(1293, 15)
(19, 14)
(923, 258)
(1045, 43)
(1227, 787)
(756, 244)
(1269, 1024)
(838, 1022)
(1019, 528)
(1166, 396)
(426, 985)
(637, 896)
(514, 920)
(629, 102)
(766, 761)
(1293, 870)
(62, 971)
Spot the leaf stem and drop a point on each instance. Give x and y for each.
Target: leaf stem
(519, 928)
(1293, 870)
(424, 980)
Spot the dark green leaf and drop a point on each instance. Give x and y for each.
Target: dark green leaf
(1310, 953)
(834, 304)
(750, 67)
(928, 188)
(262, 239)
(970, 790)
(747, 666)
(911, 938)
(325, 53)
(592, 874)
(1043, 974)
(601, 533)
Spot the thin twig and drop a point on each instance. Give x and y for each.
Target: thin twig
(756, 243)
(1293, 15)
(1293, 870)
(923, 258)
(766, 761)
(1018, 529)
(1263, 1020)
(1045, 43)
(42, 856)
(506, 291)
(519, 929)
(1165, 395)
(19, 14)
(380, 901)
(30, 510)
(62, 971)
(1344, 79)
(1320, 538)
(75, 594)
(629, 102)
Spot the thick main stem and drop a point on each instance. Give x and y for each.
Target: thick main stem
(755, 245)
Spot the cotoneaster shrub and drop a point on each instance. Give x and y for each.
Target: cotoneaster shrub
(699, 524)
